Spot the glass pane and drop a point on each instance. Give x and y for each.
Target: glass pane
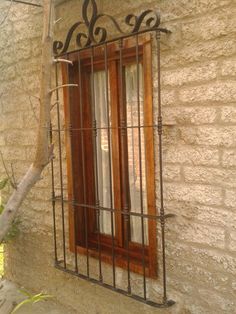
(136, 151)
(103, 158)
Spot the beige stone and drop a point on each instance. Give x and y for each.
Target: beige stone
(191, 74)
(212, 176)
(199, 140)
(204, 194)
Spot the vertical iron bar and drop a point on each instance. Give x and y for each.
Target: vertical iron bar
(140, 169)
(83, 165)
(110, 167)
(73, 201)
(125, 187)
(94, 126)
(60, 167)
(53, 201)
(162, 210)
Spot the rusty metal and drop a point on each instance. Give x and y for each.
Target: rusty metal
(160, 130)
(97, 201)
(148, 19)
(60, 164)
(53, 198)
(95, 36)
(123, 212)
(83, 162)
(140, 167)
(110, 167)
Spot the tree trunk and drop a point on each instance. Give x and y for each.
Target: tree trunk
(43, 151)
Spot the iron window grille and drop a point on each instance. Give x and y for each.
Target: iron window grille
(83, 245)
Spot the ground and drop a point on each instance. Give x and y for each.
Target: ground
(10, 296)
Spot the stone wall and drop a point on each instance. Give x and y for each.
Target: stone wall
(199, 97)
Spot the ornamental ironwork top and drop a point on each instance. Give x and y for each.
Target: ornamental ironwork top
(148, 20)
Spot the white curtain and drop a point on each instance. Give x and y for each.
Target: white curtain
(102, 150)
(134, 105)
(134, 156)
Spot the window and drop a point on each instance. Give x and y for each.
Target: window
(110, 155)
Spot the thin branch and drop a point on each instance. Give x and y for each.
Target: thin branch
(33, 109)
(13, 177)
(28, 3)
(56, 103)
(57, 21)
(26, 91)
(8, 11)
(63, 61)
(62, 86)
(7, 173)
(22, 87)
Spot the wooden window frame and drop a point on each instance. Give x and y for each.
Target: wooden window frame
(136, 249)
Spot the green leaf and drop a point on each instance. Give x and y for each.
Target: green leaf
(3, 183)
(31, 299)
(21, 304)
(25, 293)
(14, 230)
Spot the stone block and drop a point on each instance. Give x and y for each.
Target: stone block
(212, 176)
(191, 155)
(216, 24)
(199, 52)
(228, 114)
(228, 67)
(229, 158)
(191, 74)
(197, 115)
(214, 92)
(221, 136)
(230, 198)
(202, 194)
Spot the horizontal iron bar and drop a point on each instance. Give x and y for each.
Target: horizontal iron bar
(155, 217)
(147, 30)
(105, 128)
(110, 287)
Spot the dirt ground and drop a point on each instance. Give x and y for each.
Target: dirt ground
(10, 296)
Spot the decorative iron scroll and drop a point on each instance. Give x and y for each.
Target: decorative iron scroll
(148, 20)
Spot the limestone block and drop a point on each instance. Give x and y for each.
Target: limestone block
(228, 114)
(185, 75)
(229, 158)
(209, 136)
(189, 115)
(228, 67)
(212, 176)
(220, 91)
(230, 198)
(191, 155)
(203, 194)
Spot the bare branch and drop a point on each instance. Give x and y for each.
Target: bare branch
(33, 109)
(7, 172)
(57, 21)
(56, 103)
(27, 3)
(63, 61)
(13, 177)
(63, 86)
(8, 11)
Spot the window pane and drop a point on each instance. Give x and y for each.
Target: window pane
(103, 154)
(136, 151)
